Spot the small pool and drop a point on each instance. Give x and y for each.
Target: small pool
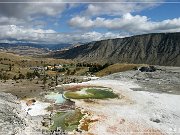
(91, 93)
(56, 97)
(67, 120)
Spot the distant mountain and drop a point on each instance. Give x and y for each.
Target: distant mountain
(29, 49)
(57, 46)
(7, 45)
(155, 48)
(40, 46)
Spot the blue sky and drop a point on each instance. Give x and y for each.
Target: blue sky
(163, 11)
(60, 21)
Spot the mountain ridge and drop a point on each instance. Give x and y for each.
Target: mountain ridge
(34, 45)
(154, 48)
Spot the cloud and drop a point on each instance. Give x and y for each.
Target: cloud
(30, 10)
(6, 21)
(128, 23)
(29, 13)
(13, 33)
(81, 22)
(25, 10)
(20, 33)
(116, 9)
(24, 22)
(27, 22)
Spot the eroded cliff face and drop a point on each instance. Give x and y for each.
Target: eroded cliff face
(157, 49)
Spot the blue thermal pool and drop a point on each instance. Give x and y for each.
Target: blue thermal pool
(56, 97)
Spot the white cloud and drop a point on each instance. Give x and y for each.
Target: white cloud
(21, 33)
(13, 33)
(128, 23)
(29, 13)
(27, 21)
(10, 20)
(95, 36)
(81, 22)
(119, 8)
(47, 9)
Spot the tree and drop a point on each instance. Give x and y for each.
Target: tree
(68, 72)
(44, 81)
(73, 72)
(36, 73)
(30, 75)
(15, 78)
(5, 76)
(10, 67)
(21, 76)
(56, 80)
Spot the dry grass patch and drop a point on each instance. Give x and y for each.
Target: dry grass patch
(21, 64)
(117, 68)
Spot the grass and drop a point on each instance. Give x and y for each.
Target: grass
(22, 64)
(119, 67)
(67, 120)
(82, 71)
(92, 93)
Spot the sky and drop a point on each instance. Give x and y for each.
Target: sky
(81, 21)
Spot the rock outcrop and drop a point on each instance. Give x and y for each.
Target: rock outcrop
(10, 115)
(13, 120)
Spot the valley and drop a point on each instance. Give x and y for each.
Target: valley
(89, 67)
(78, 95)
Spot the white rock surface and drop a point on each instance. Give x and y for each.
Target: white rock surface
(13, 120)
(134, 113)
(38, 108)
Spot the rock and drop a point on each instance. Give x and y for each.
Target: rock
(147, 69)
(10, 119)
(13, 120)
(30, 102)
(155, 120)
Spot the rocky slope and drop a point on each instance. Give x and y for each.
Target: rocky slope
(14, 121)
(157, 49)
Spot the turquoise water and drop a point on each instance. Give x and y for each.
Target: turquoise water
(56, 97)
